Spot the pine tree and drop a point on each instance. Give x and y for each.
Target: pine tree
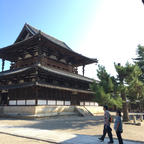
(105, 90)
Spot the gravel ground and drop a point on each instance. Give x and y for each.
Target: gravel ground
(72, 124)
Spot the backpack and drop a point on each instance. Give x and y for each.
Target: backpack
(110, 119)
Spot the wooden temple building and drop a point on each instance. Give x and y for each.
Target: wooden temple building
(43, 71)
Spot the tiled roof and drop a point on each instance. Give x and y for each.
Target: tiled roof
(35, 31)
(30, 35)
(48, 69)
(10, 72)
(65, 73)
(29, 84)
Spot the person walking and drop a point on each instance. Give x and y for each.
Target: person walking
(118, 126)
(107, 128)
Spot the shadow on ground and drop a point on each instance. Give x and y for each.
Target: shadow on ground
(62, 123)
(86, 139)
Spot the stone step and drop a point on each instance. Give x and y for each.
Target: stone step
(83, 111)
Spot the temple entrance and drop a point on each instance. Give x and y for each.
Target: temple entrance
(3, 98)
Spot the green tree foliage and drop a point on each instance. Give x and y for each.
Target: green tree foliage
(106, 89)
(123, 72)
(136, 87)
(116, 92)
(131, 88)
(139, 85)
(140, 60)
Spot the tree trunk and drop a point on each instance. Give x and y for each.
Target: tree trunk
(124, 106)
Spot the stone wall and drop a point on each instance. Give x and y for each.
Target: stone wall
(36, 111)
(43, 111)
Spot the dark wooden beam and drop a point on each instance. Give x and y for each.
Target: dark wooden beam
(83, 69)
(3, 64)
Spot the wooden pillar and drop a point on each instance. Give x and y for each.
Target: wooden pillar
(36, 92)
(3, 63)
(83, 69)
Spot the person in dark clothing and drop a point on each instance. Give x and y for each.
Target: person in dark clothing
(107, 128)
(118, 126)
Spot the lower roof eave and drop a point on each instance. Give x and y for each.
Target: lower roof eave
(47, 69)
(64, 88)
(22, 85)
(30, 84)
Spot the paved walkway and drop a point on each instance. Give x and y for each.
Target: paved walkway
(53, 136)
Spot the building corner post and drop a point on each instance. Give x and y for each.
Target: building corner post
(83, 70)
(3, 64)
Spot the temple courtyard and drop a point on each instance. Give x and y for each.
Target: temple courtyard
(64, 130)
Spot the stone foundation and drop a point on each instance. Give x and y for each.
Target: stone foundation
(44, 111)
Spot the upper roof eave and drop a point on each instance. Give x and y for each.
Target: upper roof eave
(55, 41)
(36, 32)
(93, 60)
(48, 69)
(18, 43)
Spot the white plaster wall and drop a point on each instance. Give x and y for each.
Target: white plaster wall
(67, 103)
(12, 102)
(92, 103)
(20, 102)
(51, 102)
(30, 102)
(42, 102)
(87, 103)
(60, 102)
(81, 103)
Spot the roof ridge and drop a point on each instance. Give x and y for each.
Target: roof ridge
(48, 36)
(41, 32)
(51, 38)
(33, 29)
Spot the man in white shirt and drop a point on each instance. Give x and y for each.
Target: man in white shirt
(107, 128)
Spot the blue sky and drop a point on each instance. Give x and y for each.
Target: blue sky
(109, 30)
(64, 19)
